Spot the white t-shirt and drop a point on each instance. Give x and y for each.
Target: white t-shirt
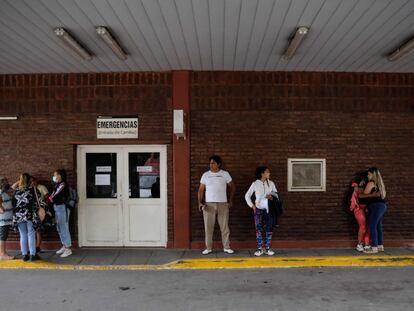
(216, 185)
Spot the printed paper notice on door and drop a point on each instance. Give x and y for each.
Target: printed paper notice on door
(144, 169)
(104, 169)
(102, 180)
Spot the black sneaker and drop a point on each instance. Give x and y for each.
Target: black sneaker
(34, 257)
(38, 250)
(26, 257)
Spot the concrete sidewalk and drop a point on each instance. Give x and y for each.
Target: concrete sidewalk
(142, 259)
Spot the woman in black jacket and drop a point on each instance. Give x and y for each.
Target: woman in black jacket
(58, 199)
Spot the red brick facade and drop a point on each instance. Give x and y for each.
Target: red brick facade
(57, 110)
(352, 120)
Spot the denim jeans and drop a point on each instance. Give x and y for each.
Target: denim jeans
(62, 224)
(376, 214)
(27, 236)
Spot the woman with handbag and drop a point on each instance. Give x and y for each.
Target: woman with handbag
(44, 194)
(26, 216)
(58, 198)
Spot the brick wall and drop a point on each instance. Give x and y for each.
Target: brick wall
(58, 109)
(352, 120)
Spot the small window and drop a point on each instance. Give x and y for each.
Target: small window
(306, 174)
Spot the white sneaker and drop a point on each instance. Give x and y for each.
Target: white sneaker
(269, 252)
(259, 252)
(228, 251)
(66, 253)
(206, 251)
(60, 252)
(371, 250)
(360, 248)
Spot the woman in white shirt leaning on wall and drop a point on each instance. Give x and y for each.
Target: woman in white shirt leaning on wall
(264, 189)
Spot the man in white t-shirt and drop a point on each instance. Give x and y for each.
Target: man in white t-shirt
(214, 183)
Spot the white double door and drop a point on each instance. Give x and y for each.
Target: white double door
(122, 195)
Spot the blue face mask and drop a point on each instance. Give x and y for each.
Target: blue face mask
(54, 178)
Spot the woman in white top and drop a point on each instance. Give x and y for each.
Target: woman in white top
(263, 189)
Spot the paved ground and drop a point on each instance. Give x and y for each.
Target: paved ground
(128, 256)
(359, 289)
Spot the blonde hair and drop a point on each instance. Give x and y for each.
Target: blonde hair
(377, 179)
(24, 180)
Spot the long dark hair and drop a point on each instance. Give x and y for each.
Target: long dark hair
(260, 170)
(62, 173)
(357, 178)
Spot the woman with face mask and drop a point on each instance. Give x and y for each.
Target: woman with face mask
(6, 216)
(58, 199)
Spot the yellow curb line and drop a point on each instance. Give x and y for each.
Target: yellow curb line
(229, 263)
(295, 262)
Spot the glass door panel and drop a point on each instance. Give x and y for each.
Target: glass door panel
(101, 169)
(144, 175)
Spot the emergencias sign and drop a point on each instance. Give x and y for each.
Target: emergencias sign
(116, 127)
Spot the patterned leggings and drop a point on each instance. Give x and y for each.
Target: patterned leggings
(260, 223)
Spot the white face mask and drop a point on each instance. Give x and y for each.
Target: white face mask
(54, 178)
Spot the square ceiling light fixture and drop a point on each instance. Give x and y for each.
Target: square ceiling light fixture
(107, 37)
(71, 42)
(295, 41)
(404, 49)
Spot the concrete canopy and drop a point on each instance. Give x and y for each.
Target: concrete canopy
(163, 35)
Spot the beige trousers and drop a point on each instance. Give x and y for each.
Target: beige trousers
(209, 214)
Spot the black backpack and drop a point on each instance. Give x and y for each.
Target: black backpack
(72, 200)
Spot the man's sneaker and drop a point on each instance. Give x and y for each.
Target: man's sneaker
(26, 257)
(269, 252)
(381, 248)
(228, 251)
(206, 251)
(258, 252)
(67, 252)
(360, 247)
(60, 252)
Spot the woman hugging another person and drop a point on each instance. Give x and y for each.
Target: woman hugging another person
(360, 210)
(374, 196)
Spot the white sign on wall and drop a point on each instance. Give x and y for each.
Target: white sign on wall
(116, 128)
